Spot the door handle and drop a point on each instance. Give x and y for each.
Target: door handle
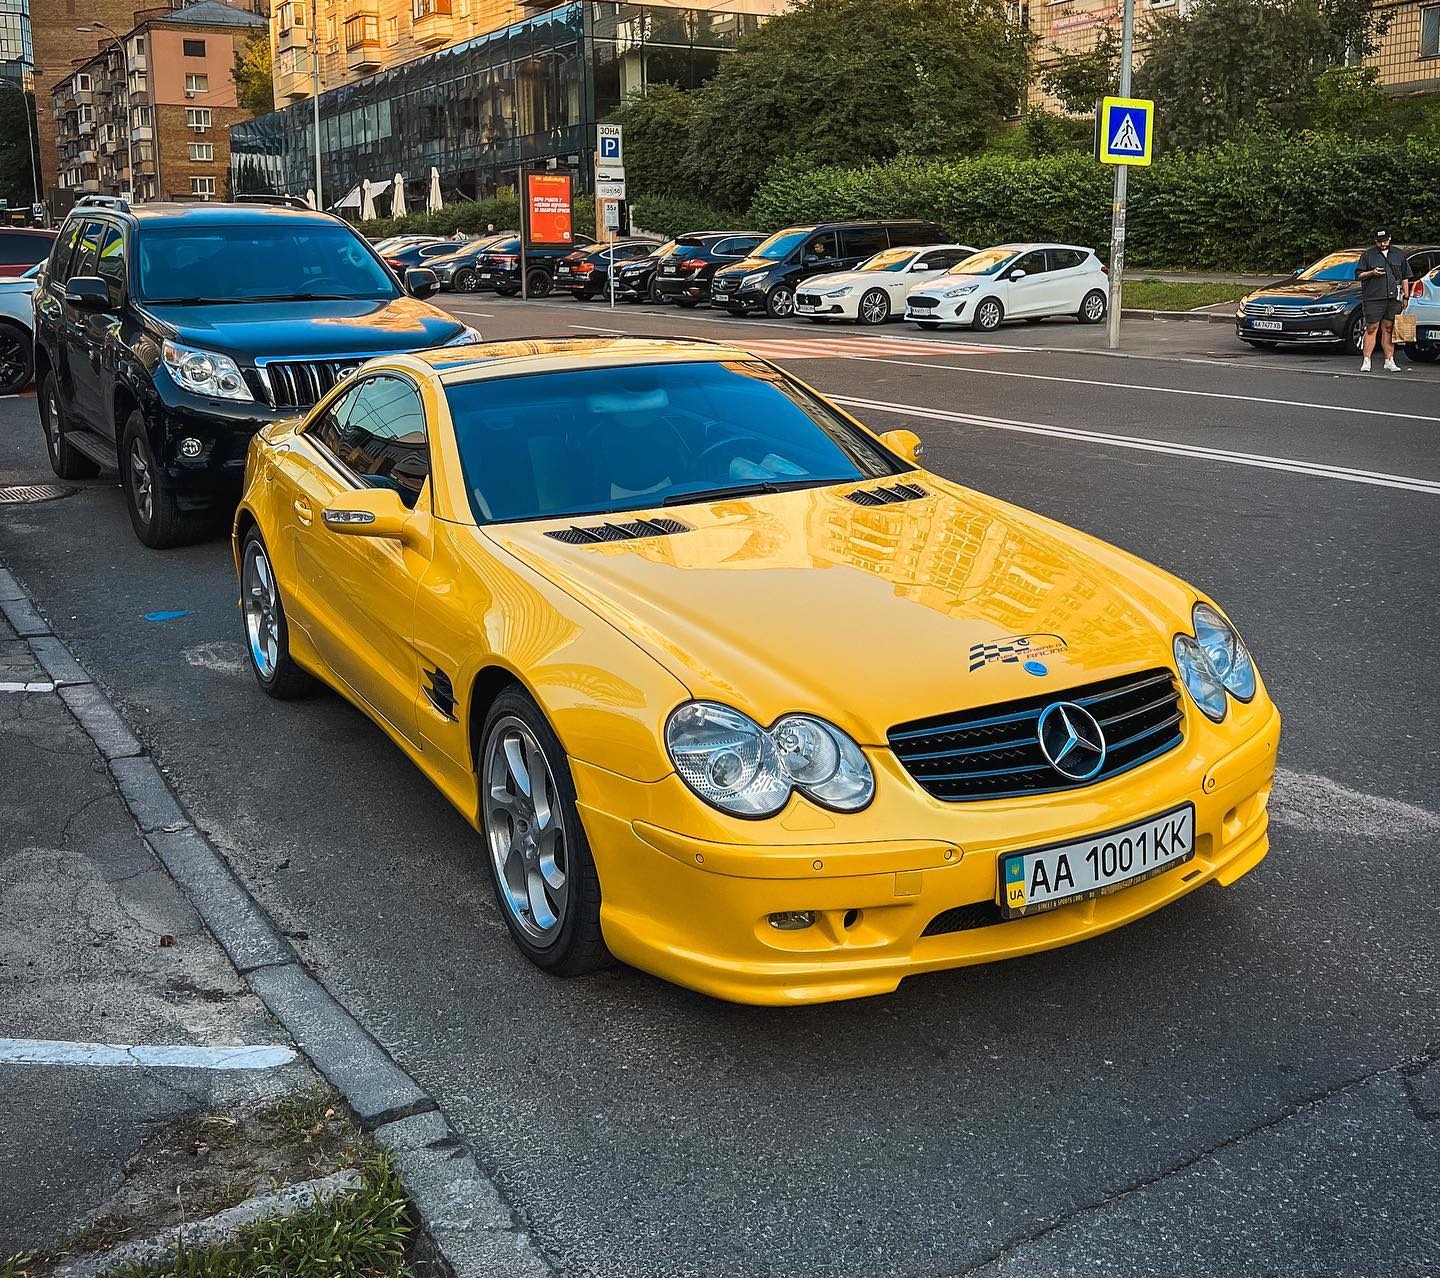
(304, 510)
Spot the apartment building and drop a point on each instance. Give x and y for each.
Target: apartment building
(149, 114)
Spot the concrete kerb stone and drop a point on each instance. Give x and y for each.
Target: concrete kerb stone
(55, 657)
(23, 618)
(101, 721)
(147, 794)
(1193, 317)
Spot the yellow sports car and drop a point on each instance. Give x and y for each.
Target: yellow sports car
(731, 688)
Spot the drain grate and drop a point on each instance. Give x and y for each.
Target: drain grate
(34, 492)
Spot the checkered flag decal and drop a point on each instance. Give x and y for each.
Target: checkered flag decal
(982, 654)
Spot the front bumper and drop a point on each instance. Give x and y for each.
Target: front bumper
(695, 910)
(947, 310)
(736, 296)
(671, 287)
(1292, 328)
(224, 429)
(828, 307)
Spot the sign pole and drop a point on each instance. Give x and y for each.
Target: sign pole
(1122, 182)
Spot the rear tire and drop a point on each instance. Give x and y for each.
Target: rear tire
(149, 496)
(539, 283)
(1093, 307)
(267, 635)
(65, 461)
(17, 358)
(466, 281)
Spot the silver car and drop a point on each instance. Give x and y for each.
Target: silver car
(17, 327)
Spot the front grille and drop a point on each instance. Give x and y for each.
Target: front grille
(994, 752)
(964, 918)
(923, 303)
(808, 299)
(592, 533)
(302, 383)
(883, 496)
(1267, 308)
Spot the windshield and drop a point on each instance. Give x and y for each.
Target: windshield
(1338, 266)
(895, 259)
(246, 262)
(986, 262)
(549, 445)
(780, 245)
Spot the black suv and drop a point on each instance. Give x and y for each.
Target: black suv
(635, 281)
(498, 267)
(168, 334)
(586, 272)
(766, 280)
(684, 277)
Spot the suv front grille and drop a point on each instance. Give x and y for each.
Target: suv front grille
(302, 383)
(994, 752)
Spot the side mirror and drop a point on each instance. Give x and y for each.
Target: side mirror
(905, 444)
(421, 281)
(1017, 275)
(368, 512)
(88, 293)
(921, 266)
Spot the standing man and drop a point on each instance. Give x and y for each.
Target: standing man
(1384, 275)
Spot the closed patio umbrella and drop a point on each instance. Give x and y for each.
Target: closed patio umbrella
(310, 197)
(367, 202)
(397, 201)
(436, 201)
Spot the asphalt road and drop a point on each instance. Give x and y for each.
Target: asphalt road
(1242, 1084)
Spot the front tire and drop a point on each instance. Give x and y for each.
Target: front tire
(267, 635)
(874, 307)
(1354, 338)
(155, 513)
(988, 315)
(657, 298)
(1422, 354)
(17, 358)
(65, 461)
(780, 302)
(466, 281)
(540, 864)
(1093, 307)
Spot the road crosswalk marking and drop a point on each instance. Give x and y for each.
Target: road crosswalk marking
(855, 347)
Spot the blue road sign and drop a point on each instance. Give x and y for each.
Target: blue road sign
(1127, 128)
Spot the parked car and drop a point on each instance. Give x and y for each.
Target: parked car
(1013, 281)
(166, 335)
(458, 268)
(389, 243)
(498, 267)
(635, 280)
(17, 323)
(768, 279)
(21, 247)
(401, 258)
(585, 273)
(1424, 308)
(675, 750)
(1319, 304)
(684, 276)
(875, 290)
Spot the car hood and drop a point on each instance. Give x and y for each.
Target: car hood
(870, 615)
(748, 264)
(1305, 292)
(351, 327)
(837, 279)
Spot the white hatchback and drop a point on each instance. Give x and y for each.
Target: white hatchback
(876, 288)
(1013, 281)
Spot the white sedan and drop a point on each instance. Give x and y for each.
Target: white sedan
(876, 287)
(1013, 281)
(17, 327)
(1424, 308)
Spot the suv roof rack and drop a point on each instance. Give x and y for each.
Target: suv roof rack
(279, 201)
(104, 202)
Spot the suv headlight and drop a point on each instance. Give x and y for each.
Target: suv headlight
(204, 372)
(735, 765)
(1213, 662)
(961, 291)
(465, 336)
(755, 277)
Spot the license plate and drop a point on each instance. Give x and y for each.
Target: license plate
(1032, 882)
(1430, 334)
(719, 297)
(484, 275)
(1270, 325)
(670, 270)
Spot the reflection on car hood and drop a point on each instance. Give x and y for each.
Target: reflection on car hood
(868, 614)
(747, 264)
(1305, 292)
(351, 327)
(838, 279)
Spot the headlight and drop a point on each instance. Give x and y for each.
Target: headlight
(1214, 661)
(837, 292)
(961, 291)
(1325, 308)
(204, 372)
(734, 764)
(465, 336)
(755, 278)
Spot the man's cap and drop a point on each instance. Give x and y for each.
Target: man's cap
(1381, 233)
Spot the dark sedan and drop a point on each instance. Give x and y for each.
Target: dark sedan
(1317, 305)
(403, 257)
(459, 269)
(585, 273)
(21, 247)
(635, 281)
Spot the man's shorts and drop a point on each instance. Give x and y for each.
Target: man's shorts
(1380, 308)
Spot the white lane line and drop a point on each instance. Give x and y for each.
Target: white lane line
(27, 687)
(44, 1051)
(1316, 470)
(1158, 390)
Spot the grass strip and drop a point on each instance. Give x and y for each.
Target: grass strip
(1162, 295)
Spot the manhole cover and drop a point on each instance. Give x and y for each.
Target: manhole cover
(34, 492)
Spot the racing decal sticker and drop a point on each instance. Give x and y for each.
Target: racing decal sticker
(1016, 648)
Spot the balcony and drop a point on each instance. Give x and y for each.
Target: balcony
(91, 186)
(365, 56)
(141, 133)
(293, 86)
(292, 38)
(432, 29)
(88, 156)
(86, 127)
(83, 97)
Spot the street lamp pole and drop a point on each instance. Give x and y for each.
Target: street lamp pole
(129, 120)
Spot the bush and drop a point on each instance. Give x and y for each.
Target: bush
(1265, 204)
(673, 216)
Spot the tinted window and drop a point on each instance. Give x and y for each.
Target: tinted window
(780, 245)
(1338, 266)
(914, 233)
(22, 250)
(944, 259)
(377, 431)
(864, 243)
(822, 248)
(87, 258)
(1064, 259)
(1420, 263)
(64, 250)
(737, 246)
(194, 48)
(111, 267)
(896, 259)
(1032, 263)
(249, 261)
(552, 444)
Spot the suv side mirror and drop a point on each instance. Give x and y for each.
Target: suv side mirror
(88, 293)
(367, 512)
(421, 281)
(905, 444)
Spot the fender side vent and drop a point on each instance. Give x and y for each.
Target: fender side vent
(440, 692)
(887, 496)
(589, 534)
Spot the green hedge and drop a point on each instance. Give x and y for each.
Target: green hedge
(1263, 205)
(667, 216)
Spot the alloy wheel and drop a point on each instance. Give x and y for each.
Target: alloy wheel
(874, 307)
(988, 314)
(525, 830)
(14, 362)
(142, 483)
(465, 282)
(782, 302)
(52, 420)
(258, 598)
(1094, 308)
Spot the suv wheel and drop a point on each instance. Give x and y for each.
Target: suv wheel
(465, 281)
(988, 315)
(657, 298)
(539, 283)
(17, 359)
(154, 513)
(1422, 354)
(780, 302)
(874, 307)
(65, 461)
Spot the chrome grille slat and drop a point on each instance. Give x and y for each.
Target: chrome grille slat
(303, 383)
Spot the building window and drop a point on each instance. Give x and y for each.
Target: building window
(193, 48)
(1430, 32)
(197, 117)
(202, 150)
(362, 29)
(429, 8)
(202, 186)
(197, 84)
(82, 84)
(291, 15)
(392, 29)
(330, 30)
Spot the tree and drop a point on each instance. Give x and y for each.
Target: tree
(657, 127)
(1080, 80)
(16, 173)
(855, 82)
(254, 78)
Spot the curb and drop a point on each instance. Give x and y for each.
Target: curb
(467, 1229)
(1193, 317)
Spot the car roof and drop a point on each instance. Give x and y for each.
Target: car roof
(27, 230)
(719, 235)
(459, 364)
(206, 213)
(1029, 245)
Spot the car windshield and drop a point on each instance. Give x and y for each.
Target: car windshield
(551, 445)
(1338, 266)
(894, 259)
(254, 261)
(780, 245)
(985, 262)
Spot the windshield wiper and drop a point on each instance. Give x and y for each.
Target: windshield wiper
(298, 297)
(742, 490)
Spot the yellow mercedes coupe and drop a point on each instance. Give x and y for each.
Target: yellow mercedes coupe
(730, 687)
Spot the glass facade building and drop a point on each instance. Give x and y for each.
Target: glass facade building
(481, 110)
(17, 60)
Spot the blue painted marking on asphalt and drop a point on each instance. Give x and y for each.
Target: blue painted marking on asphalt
(40, 1051)
(168, 616)
(1036, 667)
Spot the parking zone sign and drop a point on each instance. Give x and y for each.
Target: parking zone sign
(1126, 131)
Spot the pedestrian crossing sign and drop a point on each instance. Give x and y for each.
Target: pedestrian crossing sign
(1127, 129)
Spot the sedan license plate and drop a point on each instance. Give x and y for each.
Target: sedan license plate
(1269, 325)
(485, 275)
(1039, 880)
(1430, 335)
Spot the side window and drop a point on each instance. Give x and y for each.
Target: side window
(378, 432)
(64, 251)
(906, 233)
(1064, 259)
(1422, 263)
(864, 242)
(1031, 263)
(940, 260)
(821, 248)
(87, 257)
(112, 263)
